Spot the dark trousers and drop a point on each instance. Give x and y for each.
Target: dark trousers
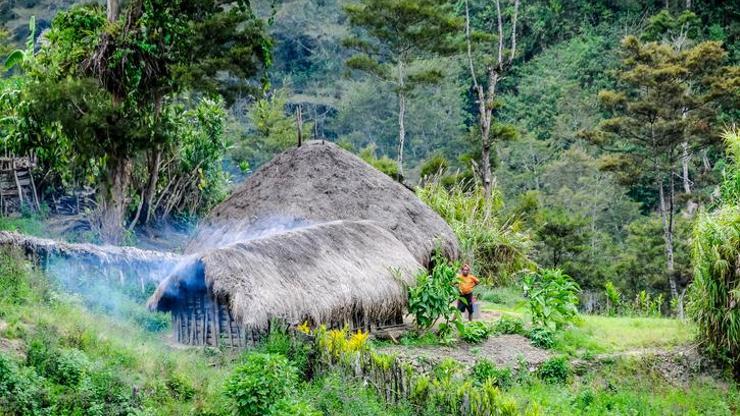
(467, 304)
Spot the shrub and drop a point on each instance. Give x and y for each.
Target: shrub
(431, 299)
(474, 332)
(498, 246)
(291, 407)
(555, 370)
(69, 366)
(553, 298)
(21, 391)
(541, 337)
(714, 295)
(280, 342)
(508, 325)
(486, 371)
(254, 387)
(14, 285)
(613, 298)
(646, 304)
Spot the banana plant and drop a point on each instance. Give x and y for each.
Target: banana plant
(23, 56)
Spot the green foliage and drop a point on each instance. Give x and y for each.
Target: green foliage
(553, 298)
(383, 164)
(541, 337)
(431, 298)
(554, 370)
(509, 325)
(279, 341)
(271, 130)
(485, 371)
(256, 386)
(647, 304)
(475, 332)
(613, 298)
(434, 166)
(498, 248)
(714, 293)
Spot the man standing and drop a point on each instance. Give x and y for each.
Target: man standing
(466, 284)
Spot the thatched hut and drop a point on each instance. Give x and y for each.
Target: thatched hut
(337, 273)
(321, 182)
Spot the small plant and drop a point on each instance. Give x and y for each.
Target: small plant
(431, 299)
(254, 387)
(646, 304)
(613, 298)
(553, 298)
(474, 332)
(508, 325)
(486, 371)
(542, 337)
(555, 370)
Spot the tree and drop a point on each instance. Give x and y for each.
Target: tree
(106, 82)
(653, 113)
(496, 64)
(398, 34)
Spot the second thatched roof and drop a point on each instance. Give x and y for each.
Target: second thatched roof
(324, 273)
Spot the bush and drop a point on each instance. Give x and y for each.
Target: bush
(432, 297)
(508, 325)
(291, 407)
(613, 298)
(69, 366)
(498, 246)
(541, 337)
(555, 370)
(21, 390)
(474, 332)
(256, 386)
(486, 371)
(553, 298)
(716, 285)
(280, 342)
(14, 284)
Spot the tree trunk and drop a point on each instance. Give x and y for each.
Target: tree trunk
(667, 219)
(115, 201)
(691, 205)
(154, 162)
(113, 10)
(401, 117)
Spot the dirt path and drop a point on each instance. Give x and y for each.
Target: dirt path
(504, 350)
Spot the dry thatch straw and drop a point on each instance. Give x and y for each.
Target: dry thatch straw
(43, 250)
(325, 273)
(321, 182)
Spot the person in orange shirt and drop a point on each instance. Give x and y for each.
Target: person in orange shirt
(466, 284)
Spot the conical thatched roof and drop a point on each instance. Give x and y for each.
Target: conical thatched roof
(323, 273)
(321, 182)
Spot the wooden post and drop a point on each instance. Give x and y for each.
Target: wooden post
(299, 124)
(18, 185)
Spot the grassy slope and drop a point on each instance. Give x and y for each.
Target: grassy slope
(170, 380)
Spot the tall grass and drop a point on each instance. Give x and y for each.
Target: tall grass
(714, 297)
(497, 247)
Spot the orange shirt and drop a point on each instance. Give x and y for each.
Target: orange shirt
(467, 283)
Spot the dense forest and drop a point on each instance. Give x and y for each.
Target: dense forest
(587, 141)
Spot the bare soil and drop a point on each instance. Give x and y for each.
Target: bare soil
(504, 350)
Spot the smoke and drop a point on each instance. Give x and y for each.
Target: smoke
(214, 237)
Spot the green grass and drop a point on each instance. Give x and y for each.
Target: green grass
(628, 388)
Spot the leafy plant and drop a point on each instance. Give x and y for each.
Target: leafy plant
(509, 325)
(474, 332)
(486, 371)
(555, 370)
(254, 387)
(553, 298)
(613, 298)
(645, 304)
(431, 299)
(541, 337)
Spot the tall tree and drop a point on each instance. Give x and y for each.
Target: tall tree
(396, 34)
(653, 114)
(496, 63)
(105, 82)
